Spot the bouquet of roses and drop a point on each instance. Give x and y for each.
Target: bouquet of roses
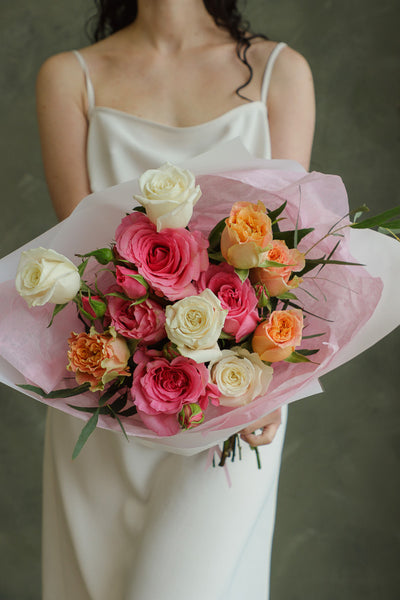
(218, 301)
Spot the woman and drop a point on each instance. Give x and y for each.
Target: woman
(129, 521)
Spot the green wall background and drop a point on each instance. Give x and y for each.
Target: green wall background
(337, 532)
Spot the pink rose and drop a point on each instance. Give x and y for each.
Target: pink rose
(277, 279)
(238, 298)
(168, 260)
(161, 388)
(144, 321)
(126, 280)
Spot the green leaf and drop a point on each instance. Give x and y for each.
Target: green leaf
(308, 337)
(65, 393)
(129, 412)
(289, 236)
(287, 296)
(119, 403)
(82, 266)
(296, 357)
(102, 255)
(225, 336)
(274, 214)
(58, 308)
(378, 220)
(306, 352)
(307, 312)
(85, 433)
(215, 235)
(99, 307)
(139, 279)
(215, 256)
(90, 409)
(271, 263)
(140, 209)
(242, 273)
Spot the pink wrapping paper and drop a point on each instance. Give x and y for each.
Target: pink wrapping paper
(347, 296)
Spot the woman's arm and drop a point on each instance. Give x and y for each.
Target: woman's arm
(291, 108)
(62, 109)
(291, 115)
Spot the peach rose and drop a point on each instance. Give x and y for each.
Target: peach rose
(246, 235)
(97, 358)
(276, 279)
(276, 339)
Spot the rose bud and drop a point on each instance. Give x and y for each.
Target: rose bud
(95, 303)
(131, 282)
(190, 416)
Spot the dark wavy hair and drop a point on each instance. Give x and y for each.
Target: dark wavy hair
(113, 15)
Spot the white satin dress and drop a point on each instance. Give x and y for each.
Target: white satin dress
(125, 521)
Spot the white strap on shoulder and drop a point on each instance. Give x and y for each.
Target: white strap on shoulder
(268, 70)
(89, 85)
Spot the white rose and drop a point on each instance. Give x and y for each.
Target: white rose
(168, 194)
(241, 376)
(46, 276)
(194, 324)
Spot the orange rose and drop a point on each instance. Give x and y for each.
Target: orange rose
(276, 279)
(276, 339)
(97, 358)
(246, 235)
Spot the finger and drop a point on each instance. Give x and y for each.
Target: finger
(264, 438)
(274, 417)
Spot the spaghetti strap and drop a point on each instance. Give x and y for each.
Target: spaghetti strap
(89, 85)
(268, 70)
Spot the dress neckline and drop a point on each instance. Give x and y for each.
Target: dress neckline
(122, 113)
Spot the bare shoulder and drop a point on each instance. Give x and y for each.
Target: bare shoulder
(291, 69)
(61, 77)
(59, 67)
(291, 106)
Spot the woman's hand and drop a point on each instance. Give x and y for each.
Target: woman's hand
(269, 426)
